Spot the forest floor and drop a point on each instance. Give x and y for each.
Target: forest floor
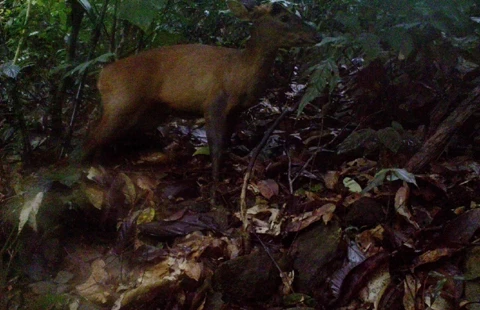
(328, 218)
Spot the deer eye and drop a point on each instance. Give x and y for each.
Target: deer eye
(285, 19)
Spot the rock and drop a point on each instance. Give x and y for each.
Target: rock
(248, 278)
(316, 252)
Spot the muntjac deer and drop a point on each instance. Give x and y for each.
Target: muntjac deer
(215, 82)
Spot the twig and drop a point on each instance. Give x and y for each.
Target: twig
(255, 153)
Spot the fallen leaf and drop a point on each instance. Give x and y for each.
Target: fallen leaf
(29, 212)
(157, 158)
(268, 188)
(433, 256)
(401, 198)
(95, 287)
(128, 189)
(331, 179)
(304, 220)
(95, 196)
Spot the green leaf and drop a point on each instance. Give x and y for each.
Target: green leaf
(67, 176)
(390, 138)
(92, 14)
(9, 69)
(349, 21)
(370, 44)
(338, 41)
(141, 13)
(401, 174)
(355, 140)
(400, 41)
(324, 74)
(84, 66)
(352, 185)
(86, 5)
(391, 174)
(202, 150)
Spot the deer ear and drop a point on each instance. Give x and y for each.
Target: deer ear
(239, 10)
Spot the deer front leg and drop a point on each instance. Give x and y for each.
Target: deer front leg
(216, 118)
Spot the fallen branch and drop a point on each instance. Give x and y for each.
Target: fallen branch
(436, 144)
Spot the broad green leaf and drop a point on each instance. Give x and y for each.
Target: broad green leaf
(370, 44)
(324, 75)
(9, 69)
(377, 180)
(391, 174)
(352, 185)
(390, 138)
(400, 41)
(401, 174)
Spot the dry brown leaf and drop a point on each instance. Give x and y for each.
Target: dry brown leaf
(145, 183)
(352, 198)
(411, 287)
(96, 174)
(401, 198)
(375, 288)
(367, 239)
(265, 220)
(304, 220)
(95, 288)
(268, 188)
(128, 188)
(433, 256)
(163, 275)
(157, 158)
(193, 269)
(331, 179)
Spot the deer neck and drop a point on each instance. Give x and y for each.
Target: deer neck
(259, 55)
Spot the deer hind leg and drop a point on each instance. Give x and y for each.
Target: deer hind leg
(119, 117)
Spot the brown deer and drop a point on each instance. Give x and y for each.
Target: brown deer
(214, 82)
